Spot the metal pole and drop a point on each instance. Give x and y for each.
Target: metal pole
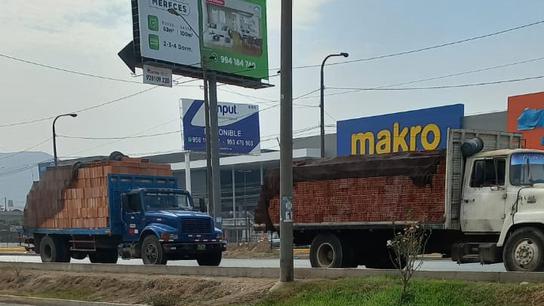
(286, 144)
(214, 148)
(234, 203)
(322, 108)
(188, 171)
(208, 149)
(55, 143)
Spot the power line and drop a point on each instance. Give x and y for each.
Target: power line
(121, 137)
(355, 89)
(429, 47)
(26, 149)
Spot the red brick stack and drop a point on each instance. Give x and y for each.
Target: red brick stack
(367, 199)
(64, 200)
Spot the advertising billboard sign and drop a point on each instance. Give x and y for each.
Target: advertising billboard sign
(230, 38)
(526, 116)
(419, 130)
(234, 36)
(165, 31)
(238, 127)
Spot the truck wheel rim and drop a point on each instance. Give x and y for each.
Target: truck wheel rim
(151, 253)
(526, 252)
(325, 255)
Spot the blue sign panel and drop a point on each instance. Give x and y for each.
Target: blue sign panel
(419, 130)
(238, 127)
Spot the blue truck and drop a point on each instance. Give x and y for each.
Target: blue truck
(147, 217)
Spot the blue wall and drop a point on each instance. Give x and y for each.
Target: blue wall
(418, 130)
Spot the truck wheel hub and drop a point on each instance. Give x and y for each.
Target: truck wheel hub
(325, 255)
(151, 252)
(526, 252)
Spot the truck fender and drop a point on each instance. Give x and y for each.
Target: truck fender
(156, 229)
(509, 227)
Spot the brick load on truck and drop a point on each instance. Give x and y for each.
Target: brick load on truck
(397, 188)
(76, 196)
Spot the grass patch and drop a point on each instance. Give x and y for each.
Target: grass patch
(65, 294)
(387, 291)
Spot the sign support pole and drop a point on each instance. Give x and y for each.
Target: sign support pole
(214, 148)
(188, 171)
(208, 148)
(286, 144)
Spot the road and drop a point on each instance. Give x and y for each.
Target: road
(428, 265)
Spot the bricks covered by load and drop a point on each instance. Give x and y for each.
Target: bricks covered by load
(380, 188)
(76, 196)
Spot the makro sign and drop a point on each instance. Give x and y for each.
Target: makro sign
(419, 130)
(238, 127)
(232, 34)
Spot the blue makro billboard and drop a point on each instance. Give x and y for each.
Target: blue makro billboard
(419, 130)
(238, 127)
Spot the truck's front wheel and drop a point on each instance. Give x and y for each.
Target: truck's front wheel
(152, 251)
(524, 250)
(209, 259)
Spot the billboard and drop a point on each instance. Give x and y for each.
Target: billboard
(526, 116)
(419, 130)
(232, 35)
(239, 131)
(165, 31)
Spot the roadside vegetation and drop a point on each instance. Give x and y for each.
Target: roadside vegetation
(387, 290)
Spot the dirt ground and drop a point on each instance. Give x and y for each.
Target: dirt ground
(132, 288)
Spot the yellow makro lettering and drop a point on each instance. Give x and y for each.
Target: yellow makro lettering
(414, 131)
(359, 141)
(430, 128)
(399, 138)
(384, 142)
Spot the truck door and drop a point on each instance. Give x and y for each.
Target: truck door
(133, 216)
(484, 196)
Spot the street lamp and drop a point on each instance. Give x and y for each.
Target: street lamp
(322, 103)
(55, 135)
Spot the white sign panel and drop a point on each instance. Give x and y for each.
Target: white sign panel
(165, 31)
(238, 127)
(157, 76)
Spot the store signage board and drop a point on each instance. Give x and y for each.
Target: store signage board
(238, 127)
(157, 76)
(412, 131)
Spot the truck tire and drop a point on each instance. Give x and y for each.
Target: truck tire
(107, 256)
(79, 255)
(152, 251)
(524, 250)
(209, 259)
(54, 250)
(326, 252)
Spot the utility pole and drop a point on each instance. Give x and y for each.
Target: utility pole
(214, 148)
(286, 144)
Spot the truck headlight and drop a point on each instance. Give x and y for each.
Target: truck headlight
(169, 237)
(173, 236)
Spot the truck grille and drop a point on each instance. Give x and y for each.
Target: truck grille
(196, 226)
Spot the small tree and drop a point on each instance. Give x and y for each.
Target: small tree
(406, 246)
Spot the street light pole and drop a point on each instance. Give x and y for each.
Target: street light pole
(55, 135)
(322, 103)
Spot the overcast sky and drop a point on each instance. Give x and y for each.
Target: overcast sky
(86, 36)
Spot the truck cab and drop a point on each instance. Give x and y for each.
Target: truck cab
(503, 198)
(161, 224)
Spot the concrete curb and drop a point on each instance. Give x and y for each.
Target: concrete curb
(54, 302)
(273, 273)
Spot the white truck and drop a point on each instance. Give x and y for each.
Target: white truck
(490, 210)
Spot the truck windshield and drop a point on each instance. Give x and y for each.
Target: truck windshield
(526, 169)
(166, 201)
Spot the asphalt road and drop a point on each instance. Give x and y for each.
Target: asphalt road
(428, 265)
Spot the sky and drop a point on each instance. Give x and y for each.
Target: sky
(86, 36)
